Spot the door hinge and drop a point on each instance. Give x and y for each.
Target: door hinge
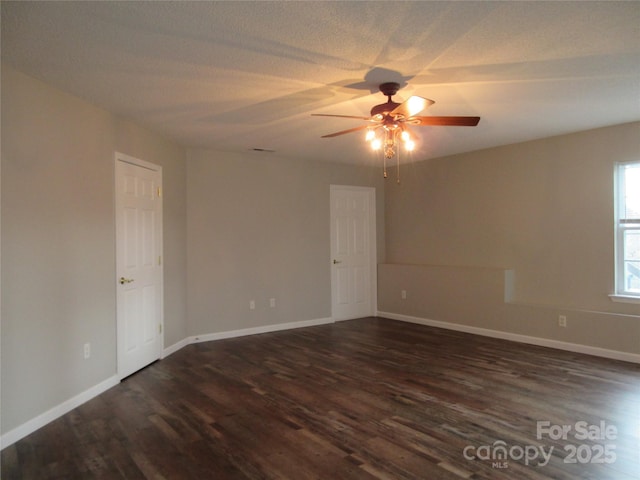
(160, 328)
(159, 259)
(159, 191)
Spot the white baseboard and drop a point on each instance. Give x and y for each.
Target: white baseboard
(175, 347)
(516, 337)
(208, 337)
(41, 420)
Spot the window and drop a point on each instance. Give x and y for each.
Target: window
(628, 229)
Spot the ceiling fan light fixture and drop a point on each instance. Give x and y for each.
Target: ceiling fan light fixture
(389, 124)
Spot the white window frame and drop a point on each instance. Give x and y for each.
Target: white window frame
(622, 294)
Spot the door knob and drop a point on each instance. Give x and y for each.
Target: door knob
(336, 261)
(125, 280)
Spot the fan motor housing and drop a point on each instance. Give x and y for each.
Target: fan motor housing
(389, 88)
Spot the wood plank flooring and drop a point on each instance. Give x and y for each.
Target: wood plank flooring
(363, 399)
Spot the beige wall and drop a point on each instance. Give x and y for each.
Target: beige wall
(258, 228)
(543, 209)
(58, 234)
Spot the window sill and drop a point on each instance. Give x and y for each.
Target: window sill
(625, 298)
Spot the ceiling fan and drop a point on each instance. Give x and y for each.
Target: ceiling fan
(389, 121)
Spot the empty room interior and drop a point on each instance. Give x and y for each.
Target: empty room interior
(320, 240)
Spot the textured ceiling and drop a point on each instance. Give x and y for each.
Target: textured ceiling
(235, 76)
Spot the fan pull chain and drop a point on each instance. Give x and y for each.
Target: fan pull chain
(384, 166)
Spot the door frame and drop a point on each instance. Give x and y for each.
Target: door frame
(373, 249)
(121, 157)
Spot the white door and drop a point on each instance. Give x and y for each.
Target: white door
(138, 263)
(353, 258)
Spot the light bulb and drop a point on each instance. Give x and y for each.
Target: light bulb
(405, 136)
(376, 143)
(370, 135)
(409, 145)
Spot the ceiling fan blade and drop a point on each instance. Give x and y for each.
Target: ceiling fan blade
(446, 121)
(355, 129)
(412, 106)
(339, 116)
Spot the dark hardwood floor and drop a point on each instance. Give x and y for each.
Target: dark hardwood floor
(366, 399)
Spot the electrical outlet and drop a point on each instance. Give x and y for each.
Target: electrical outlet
(252, 304)
(562, 320)
(403, 294)
(272, 302)
(87, 350)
